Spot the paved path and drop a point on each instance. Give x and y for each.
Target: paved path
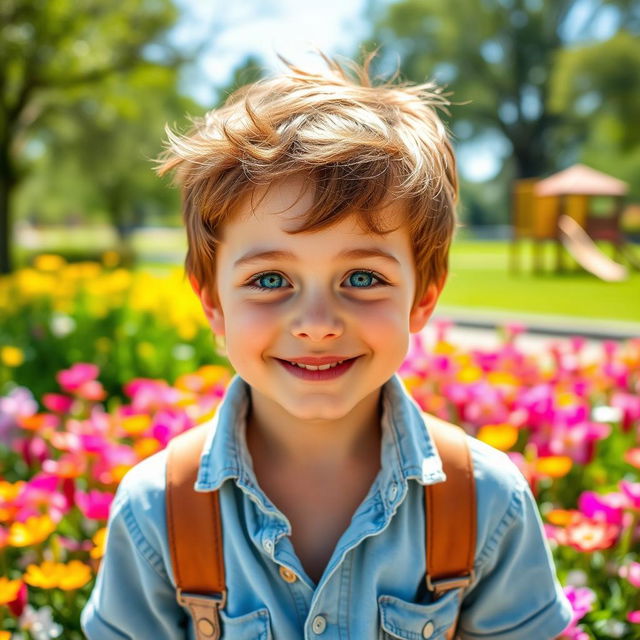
(473, 328)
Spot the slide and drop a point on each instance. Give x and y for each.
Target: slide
(586, 253)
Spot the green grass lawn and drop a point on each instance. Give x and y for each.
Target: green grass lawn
(479, 277)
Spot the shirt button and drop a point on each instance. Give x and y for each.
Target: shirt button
(287, 575)
(267, 545)
(428, 629)
(393, 492)
(319, 624)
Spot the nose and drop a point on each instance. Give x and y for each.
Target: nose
(316, 318)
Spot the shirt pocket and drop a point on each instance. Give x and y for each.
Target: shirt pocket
(411, 621)
(255, 625)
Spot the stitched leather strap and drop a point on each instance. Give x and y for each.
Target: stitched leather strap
(450, 514)
(195, 535)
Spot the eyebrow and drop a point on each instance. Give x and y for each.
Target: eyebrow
(259, 255)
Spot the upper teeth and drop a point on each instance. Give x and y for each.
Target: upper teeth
(322, 367)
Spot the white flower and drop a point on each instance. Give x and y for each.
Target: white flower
(62, 325)
(40, 623)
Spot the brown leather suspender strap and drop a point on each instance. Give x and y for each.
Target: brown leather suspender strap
(195, 535)
(450, 514)
(195, 531)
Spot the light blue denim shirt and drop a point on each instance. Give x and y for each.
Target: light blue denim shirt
(372, 585)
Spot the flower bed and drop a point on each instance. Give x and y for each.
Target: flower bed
(572, 425)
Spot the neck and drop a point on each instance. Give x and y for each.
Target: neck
(314, 446)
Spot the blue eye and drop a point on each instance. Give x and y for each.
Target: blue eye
(271, 276)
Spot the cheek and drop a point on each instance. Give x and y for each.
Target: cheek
(384, 325)
(248, 325)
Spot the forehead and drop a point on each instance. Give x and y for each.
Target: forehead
(260, 222)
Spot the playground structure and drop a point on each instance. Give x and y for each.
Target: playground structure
(560, 209)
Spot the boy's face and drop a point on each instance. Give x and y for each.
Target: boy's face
(316, 303)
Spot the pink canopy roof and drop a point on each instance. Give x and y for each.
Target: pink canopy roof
(580, 180)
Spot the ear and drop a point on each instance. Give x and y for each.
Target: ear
(423, 309)
(212, 308)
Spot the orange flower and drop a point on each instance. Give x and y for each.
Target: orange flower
(501, 436)
(553, 466)
(144, 447)
(34, 530)
(135, 425)
(39, 422)
(5, 635)
(563, 517)
(9, 590)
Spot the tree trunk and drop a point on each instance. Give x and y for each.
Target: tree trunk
(7, 182)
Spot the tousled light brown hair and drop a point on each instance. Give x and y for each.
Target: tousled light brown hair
(360, 145)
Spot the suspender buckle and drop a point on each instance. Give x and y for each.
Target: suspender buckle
(205, 612)
(446, 584)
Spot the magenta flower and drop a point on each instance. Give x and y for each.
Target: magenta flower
(57, 403)
(73, 378)
(629, 404)
(634, 616)
(95, 504)
(168, 423)
(603, 507)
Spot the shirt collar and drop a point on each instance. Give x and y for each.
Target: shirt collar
(407, 449)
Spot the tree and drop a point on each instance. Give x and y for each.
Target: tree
(498, 57)
(50, 52)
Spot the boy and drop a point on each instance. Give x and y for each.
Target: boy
(319, 213)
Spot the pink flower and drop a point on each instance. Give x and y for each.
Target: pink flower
(94, 504)
(19, 403)
(150, 395)
(632, 492)
(57, 403)
(81, 372)
(631, 572)
(41, 495)
(91, 390)
(634, 616)
(606, 508)
(581, 599)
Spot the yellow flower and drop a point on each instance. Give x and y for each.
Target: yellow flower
(103, 344)
(49, 262)
(75, 574)
(501, 436)
(99, 538)
(9, 590)
(5, 635)
(469, 374)
(52, 575)
(554, 466)
(444, 348)
(11, 356)
(110, 258)
(146, 350)
(46, 576)
(34, 530)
